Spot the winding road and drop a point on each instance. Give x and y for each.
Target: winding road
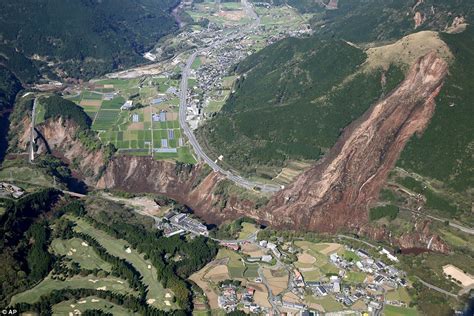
(201, 155)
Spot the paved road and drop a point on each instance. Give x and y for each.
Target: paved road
(359, 240)
(201, 155)
(433, 287)
(271, 298)
(467, 230)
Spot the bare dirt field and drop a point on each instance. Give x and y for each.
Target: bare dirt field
(261, 294)
(139, 126)
(253, 250)
(95, 103)
(306, 258)
(331, 247)
(217, 274)
(277, 279)
(457, 274)
(232, 15)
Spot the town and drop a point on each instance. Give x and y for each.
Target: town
(295, 277)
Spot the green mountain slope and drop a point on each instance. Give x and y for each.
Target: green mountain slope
(291, 102)
(445, 150)
(85, 37)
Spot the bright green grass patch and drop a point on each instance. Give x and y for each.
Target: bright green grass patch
(77, 250)
(214, 106)
(329, 268)
(184, 155)
(313, 275)
(39, 115)
(251, 271)
(113, 104)
(328, 303)
(25, 174)
(105, 119)
(247, 230)
(355, 277)
(89, 95)
(400, 294)
(235, 265)
(116, 247)
(349, 255)
(390, 310)
(90, 302)
(77, 282)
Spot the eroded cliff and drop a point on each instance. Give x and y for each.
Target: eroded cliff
(337, 191)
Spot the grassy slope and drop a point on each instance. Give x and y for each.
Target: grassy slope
(117, 248)
(77, 282)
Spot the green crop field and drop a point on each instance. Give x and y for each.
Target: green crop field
(105, 119)
(328, 303)
(117, 247)
(90, 302)
(79, 252)
(113, 104)
(77, 282)
(390, 310)
(235, 265)
(136, 137)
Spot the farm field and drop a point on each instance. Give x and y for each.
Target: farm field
(390, 310)
(156, 293)
(78, 251)
(235, 265)
(90, 302)
(88, 282)
(314, 262)
(149, 127)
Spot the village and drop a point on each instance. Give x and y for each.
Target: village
(293, 276)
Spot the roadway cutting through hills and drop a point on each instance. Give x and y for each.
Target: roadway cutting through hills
(200, 153)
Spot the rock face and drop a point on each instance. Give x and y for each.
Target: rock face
(190, 185)
(422, 238)
(57, 136)
(336, 192)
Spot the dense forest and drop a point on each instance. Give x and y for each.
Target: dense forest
(55, 106)
(9, 87)
(445, 150)
(377, 20)
(86, 37)
(21, 224)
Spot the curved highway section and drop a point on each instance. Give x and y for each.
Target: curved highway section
(201, 155)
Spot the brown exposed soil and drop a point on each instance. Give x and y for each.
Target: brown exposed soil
(57, 137)
(144, 174)
(336, 192)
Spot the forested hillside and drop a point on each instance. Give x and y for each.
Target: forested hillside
(292, 101)
(445, 150)
(365, 21)
(83, 38)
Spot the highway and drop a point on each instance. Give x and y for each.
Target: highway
(201, 155)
